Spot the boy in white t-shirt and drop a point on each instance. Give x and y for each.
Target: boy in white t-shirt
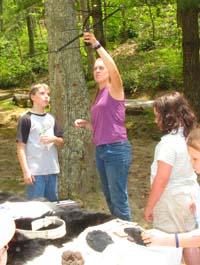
(38, 135)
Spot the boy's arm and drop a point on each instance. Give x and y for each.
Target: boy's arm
(58, 135)
(58, 141)
(28, 178)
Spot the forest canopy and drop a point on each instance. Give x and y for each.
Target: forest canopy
(154, 36)
(151, 25)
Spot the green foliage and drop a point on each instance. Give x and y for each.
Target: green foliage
(15, 72)
(146, 45)
(7, 104)
(137, 19)
(24, 4)
(150, 72)
(17, 67)
(156, 65)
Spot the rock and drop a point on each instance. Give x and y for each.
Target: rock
(98, 240)
(134, 234)
(21, 100)
(72, 258)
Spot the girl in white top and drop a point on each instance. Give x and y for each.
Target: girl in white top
(190, 239)
(173, 204)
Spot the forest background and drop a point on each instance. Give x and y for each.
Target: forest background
(155, 44)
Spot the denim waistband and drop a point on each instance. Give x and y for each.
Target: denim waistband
(116, 143)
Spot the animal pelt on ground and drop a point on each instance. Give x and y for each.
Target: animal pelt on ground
(22, 249)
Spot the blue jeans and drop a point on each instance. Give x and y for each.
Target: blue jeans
(113, 163)
(45, 186)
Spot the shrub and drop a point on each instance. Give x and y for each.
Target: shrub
(146, 45)
(149, 72)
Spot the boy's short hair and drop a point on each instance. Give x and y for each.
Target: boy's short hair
(35, 88)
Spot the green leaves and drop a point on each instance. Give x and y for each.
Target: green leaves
(25, 4)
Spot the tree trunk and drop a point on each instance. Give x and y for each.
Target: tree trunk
(105, 22)
(124, 32)
(98, 22)
(19, 49)
(85, 20)
(1, 15)
(30, 28)
(70, 99)
(151, 18)
(191, 62)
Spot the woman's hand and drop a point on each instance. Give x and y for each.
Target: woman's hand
(80, 123)
(89, 38)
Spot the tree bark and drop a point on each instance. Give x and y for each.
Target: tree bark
(70, 99)
(30, 28)
(151, 18)
(124, 32)
(90, 55)
(19, 49)
(1, 15)
(191, 62)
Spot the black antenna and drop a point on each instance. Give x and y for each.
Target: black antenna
(87, 27)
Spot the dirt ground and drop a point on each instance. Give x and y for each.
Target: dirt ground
(143, 135)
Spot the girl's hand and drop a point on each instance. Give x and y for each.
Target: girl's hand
(148, 214)
(154, 237)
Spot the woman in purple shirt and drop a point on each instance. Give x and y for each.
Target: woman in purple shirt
(113, 150)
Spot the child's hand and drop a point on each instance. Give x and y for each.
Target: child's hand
(192, 208)
(45, 139)
(28, 178)
(154, 237)
(148, 214)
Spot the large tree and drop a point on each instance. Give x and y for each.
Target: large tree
(98, 20)
(1, 15)
(30, 29)
(188, 11)
(84, 4)
(70, 99)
